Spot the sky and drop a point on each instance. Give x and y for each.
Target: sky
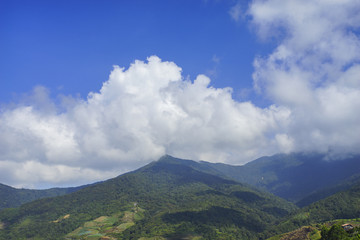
(93, 89)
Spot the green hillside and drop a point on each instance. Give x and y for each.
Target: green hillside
(298, 177)
(169, 199)
(330, 230)
(11, 197)
(342, 205)
(348, 183)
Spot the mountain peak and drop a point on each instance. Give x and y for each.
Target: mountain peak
(180, 196)
(169, 158)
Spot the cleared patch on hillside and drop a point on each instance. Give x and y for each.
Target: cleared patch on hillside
(104, 227)
(152, 238)
(299, 234)
(303, 233)
(61, 218)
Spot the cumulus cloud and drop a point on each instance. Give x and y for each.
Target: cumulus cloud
(314, 70)
(139, 114)
(149, 109)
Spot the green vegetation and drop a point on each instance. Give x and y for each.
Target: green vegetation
(108, 226)
(183, 199)
(336, 232)
(178, 201)
(12, 197)
(305, 233)
(283, 175)
(342, 205)
(331, 230)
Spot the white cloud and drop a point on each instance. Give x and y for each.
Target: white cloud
(236, 12)
(314, 71)
(149, 109)
(34, 174)
(139, 114)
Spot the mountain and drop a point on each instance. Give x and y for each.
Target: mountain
(11, 197)
(348, 183)
(167, 199)
(298, 177)
(341, 205)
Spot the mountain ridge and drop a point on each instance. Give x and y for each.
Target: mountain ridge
(14, 197)
(297, 177)
(175, 199)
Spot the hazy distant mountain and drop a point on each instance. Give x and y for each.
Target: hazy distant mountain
(346, 184)
(296, 176)
(13, 197)
(341, 205)
(168, 198)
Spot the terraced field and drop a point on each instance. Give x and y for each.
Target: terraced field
(105, 226)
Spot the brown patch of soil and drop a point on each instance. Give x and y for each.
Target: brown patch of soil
(299, 234)
(61, 218)
(101, 219)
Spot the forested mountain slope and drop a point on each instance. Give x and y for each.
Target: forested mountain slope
(13, 197)
(296, 176)
(341, 205)
(169, 198)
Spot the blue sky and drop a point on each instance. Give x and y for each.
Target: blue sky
(70, 47)
(93, 89)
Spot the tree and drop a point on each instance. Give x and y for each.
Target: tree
(334, 233)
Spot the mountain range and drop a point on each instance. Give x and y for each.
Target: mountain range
(301, 178)
(13, 197)
(182, 199)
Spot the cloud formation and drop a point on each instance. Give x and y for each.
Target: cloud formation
(314, 71)
(149, 109)
(139, 114)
